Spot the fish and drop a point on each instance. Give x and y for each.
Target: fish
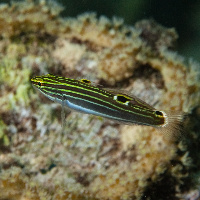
(84, 96)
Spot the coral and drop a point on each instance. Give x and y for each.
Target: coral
(28, 17)
(92, 158)
(15, 185)
(103, 42)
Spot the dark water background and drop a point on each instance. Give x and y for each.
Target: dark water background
(184, 15)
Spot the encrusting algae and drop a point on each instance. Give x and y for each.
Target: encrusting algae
(94, 158)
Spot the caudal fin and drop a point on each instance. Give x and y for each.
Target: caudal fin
(173, 127)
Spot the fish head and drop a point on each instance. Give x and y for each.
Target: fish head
(38, 82)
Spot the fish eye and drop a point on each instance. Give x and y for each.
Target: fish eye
(157, 112)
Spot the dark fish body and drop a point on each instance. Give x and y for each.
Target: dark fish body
(81, 95)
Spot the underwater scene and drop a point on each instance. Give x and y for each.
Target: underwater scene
(99, 100)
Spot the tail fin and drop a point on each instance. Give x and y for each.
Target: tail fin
(174, 126)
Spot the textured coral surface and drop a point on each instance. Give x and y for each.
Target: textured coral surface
(92, 158)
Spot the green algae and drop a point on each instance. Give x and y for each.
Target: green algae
(3, 137)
